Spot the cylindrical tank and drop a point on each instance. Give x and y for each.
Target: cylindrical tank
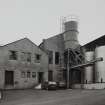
(100, 65)
(70, 35)
(88, 73)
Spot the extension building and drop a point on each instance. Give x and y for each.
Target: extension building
(22, 65)
(54, 46)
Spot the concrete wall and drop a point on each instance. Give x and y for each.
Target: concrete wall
(94, 86)
(89, 86)
(24, 45)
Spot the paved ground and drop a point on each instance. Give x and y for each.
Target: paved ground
(59, 97)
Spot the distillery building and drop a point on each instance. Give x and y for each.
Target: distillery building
(59, 58)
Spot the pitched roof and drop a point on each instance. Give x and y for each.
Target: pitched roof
(97, 42)
(21, 40)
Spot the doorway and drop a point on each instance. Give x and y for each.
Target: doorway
(9, 77)
(40, 77)
(75, 76)
(50, 75)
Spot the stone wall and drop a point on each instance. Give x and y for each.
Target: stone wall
(17, 66)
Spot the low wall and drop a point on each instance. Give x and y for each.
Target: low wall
(89, 86)
(77, 86)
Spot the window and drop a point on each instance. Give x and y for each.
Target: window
(23, 56)
(13, 55)
(23, 74)
(56, 57)
(26, 56)
(33, 74)
(66, 57)
(28, 74)
(37, 58)
(29, 57)
(50, 57)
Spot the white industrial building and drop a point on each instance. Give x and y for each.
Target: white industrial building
(94, 65)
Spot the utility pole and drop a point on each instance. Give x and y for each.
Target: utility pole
(68, 69)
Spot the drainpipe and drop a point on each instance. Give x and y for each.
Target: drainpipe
(1, 95)
(68, 69)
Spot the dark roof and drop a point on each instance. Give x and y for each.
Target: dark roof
(97, 42)
(51, 38)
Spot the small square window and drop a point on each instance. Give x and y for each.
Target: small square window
(28, 74)
(50, 54)
(57, 57)
(37, 58)
(23, 74)
(33, 74)
(13, 55)
(23, 56)
(29, 57)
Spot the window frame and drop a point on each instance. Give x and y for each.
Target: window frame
(28, 74)
(50, 54)
(23, 74)
(13, 55)
(33, 74)
(37, 60)
(57, 58)
(28, 57)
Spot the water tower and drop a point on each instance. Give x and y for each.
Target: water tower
(71, 32)
(72, 53)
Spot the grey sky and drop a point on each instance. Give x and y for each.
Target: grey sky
(39, 19)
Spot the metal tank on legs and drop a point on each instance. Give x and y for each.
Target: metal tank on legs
(88, 72)
(100, 65)
(72, 50)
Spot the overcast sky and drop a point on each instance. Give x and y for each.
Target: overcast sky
(40, 19)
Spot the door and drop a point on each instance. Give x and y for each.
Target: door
(65, 75)
(75, 76)
(50, 75)
(9, 77)
(40, 77)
